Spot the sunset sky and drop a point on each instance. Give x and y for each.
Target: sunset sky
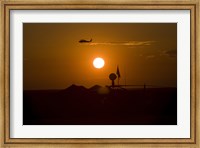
(53, 58)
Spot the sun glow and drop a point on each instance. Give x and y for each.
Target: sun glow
(98, 63)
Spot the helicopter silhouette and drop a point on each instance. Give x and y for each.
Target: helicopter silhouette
(85, 41)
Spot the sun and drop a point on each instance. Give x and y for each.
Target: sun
(98, 63)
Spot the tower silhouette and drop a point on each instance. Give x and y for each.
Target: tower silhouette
(112, 77)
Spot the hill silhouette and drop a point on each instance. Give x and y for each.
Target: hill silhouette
(95, 88)
(77, 105)
(76, 88)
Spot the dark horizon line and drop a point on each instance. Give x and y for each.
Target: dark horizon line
(122, 86)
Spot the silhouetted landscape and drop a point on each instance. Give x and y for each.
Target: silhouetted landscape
(77, 105)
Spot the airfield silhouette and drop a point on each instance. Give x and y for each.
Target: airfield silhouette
(109, 105)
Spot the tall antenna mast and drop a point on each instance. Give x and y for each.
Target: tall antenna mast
(118, 74)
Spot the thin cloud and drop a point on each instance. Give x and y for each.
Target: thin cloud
(170, 53)
(125, 43)
(150, 56)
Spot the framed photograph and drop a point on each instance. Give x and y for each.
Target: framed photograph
(99, 73)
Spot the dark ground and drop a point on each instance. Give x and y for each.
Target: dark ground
(77, 105)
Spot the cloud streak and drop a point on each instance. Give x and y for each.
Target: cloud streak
(150, 56)
(125, 43)
(170, 53)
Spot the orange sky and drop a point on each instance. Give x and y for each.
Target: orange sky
(54, 59)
